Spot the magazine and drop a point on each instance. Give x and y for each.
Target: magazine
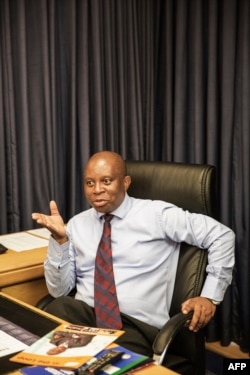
(67, 347)
(128, 361)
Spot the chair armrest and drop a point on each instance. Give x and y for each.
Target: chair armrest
(44, 301)
(169, 331)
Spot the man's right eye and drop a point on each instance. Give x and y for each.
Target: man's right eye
(89, 183)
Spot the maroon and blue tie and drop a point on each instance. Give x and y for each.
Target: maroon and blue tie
(106, 304)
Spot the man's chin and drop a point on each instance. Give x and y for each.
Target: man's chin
(102, 208)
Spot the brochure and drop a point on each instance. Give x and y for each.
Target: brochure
(129, 360)
(67, 347)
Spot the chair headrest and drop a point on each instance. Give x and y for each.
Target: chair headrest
(190, 186)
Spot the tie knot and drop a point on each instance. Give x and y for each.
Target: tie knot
(108, 217)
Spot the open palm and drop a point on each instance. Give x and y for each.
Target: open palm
(54, 222)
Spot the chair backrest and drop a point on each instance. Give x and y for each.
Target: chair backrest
(191, 187)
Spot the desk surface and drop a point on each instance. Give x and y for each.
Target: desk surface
(21, 272)
(150, 370)
(21, 266)
(17, 267)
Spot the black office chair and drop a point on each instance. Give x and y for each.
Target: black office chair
(191, 187)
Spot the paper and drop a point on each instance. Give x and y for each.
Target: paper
(67, 347)
(22, 241)
(13, 338)
(9, 345)
(42, 232)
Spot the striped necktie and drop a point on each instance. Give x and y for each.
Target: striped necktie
(106, 303)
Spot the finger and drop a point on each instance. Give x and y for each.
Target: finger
(40, 218)
(194, 324)
(35, 215)
(187, 306)
(53, 208)
(200, 319)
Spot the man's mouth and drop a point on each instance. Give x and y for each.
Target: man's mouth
(100, 203)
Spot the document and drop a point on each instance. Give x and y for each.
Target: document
(22, 241)
(41, 232)
(9, 345)
(13, 338)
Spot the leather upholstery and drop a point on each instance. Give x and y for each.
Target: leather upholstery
(191, 187)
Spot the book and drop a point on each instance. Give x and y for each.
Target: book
(67, 346)
(129, 360)
(41, 370)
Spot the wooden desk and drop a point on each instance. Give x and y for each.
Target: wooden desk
(152, 370)
(21, 274)
(155, 370)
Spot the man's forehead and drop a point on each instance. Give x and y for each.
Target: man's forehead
(103, 167)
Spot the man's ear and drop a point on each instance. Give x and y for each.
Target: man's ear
(127, 182)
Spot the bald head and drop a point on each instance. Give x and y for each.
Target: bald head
(109, 157)
(105, 181)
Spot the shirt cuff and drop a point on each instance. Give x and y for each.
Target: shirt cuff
(214, 289)
(57, 253)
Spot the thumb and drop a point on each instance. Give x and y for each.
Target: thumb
(186, 307)
(53, 208)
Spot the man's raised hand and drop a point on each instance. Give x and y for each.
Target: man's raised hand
(54, 222)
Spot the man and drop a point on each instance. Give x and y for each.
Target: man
(145, 236)
(64, 340)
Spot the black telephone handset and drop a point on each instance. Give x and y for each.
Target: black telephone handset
(3, 249)
(96, 366)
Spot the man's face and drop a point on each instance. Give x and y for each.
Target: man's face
(104, 184)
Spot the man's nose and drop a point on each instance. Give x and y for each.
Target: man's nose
(98, 188)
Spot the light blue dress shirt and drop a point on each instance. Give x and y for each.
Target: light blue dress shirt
(146, 237)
